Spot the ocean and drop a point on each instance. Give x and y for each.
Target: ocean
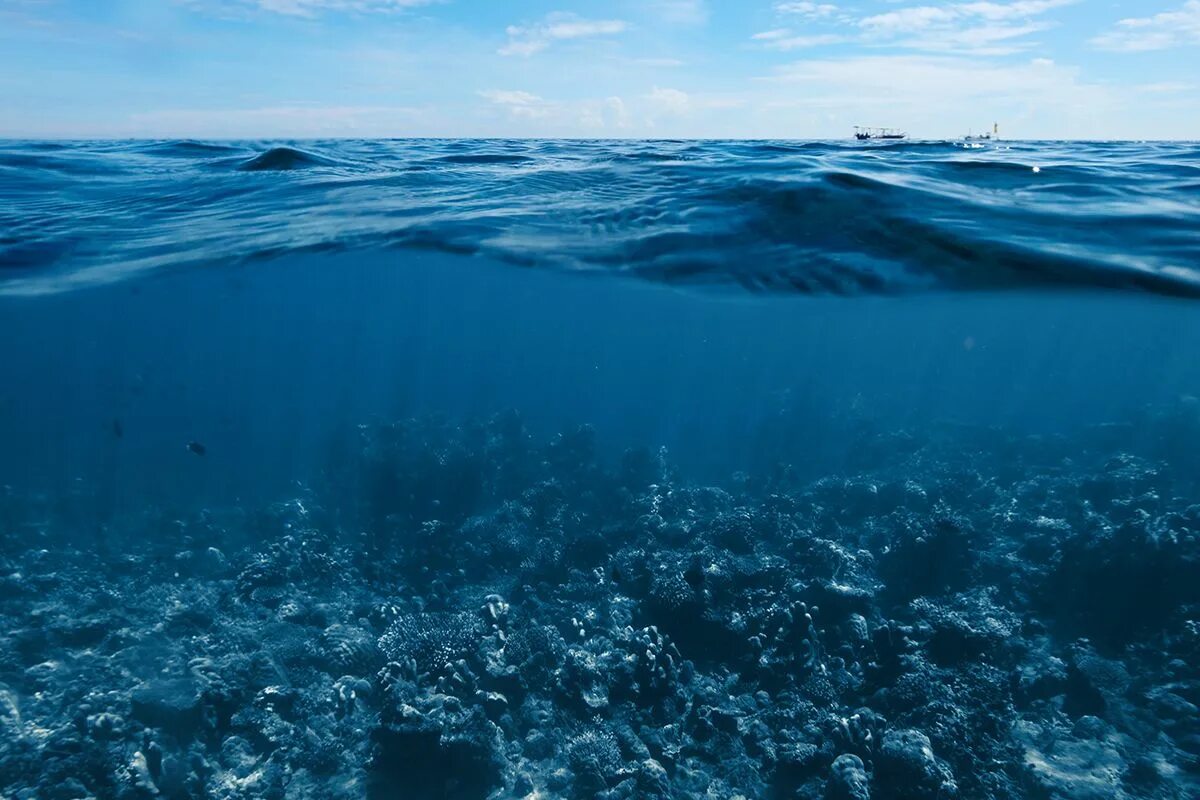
(535, 469)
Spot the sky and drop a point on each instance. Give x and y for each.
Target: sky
(269, 69)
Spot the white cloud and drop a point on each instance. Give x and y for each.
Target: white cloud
(940, 96)
(532, 115)
(785, 39)
(518, 103)
(1159, 32)
(525, 40)
(924, 92)
(23, 13)
(910, 20)
(1018, 10)
(916, 19)
(806, 9)
(672, 101)
(302, 8)
(979, 28)
(300, 120)
(607, 114)
(510, 96)
(564, 116)
(980, 40)
(665, 106)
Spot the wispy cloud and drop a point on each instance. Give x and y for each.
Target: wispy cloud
(980, 40)
(937, 84)
(925, 92)
(518, 103)
(916, 19)
(662, 101)
(1160, 32)
(301, 8)
(526, 40)
(1016, 10)
(672, 101)
(564, 116)
(308, 8)
(980, 28)
(24, 13)
(299, 120)
(609, 113)
(807, 10)
(590, 114)
(786, 39)
(814, 17)
(661, 110)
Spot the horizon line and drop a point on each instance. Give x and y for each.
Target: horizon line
(341, 138)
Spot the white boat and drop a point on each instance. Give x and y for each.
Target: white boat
(984, 137)
(866, 134)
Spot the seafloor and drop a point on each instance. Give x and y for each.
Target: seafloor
(470, 612)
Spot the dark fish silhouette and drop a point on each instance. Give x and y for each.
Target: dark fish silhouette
(118, 430)
(197, 448)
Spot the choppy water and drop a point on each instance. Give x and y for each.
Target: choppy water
(811, 217)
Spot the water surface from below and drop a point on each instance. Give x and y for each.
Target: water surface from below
(268, 365)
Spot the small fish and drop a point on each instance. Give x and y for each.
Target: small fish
(118, 430)
(197, 448)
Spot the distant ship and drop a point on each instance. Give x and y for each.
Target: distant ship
(984, 137)
(865, 134)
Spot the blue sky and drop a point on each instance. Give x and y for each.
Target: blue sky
(626, 68)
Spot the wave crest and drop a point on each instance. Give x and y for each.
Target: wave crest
(282, 159)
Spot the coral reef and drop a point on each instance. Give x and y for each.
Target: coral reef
(470, 613)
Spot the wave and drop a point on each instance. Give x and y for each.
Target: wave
(26, 163)
(794, 217)
(189, 149)
(483, 158)
(283, 159)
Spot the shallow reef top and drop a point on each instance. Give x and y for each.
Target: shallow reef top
(470, 612)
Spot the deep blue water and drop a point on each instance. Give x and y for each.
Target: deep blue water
(264, 299)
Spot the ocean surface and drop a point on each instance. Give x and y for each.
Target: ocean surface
(502, 469)
(795, 217)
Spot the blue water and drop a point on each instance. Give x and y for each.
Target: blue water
(256, 443)
(796, 217)
(265, 299)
